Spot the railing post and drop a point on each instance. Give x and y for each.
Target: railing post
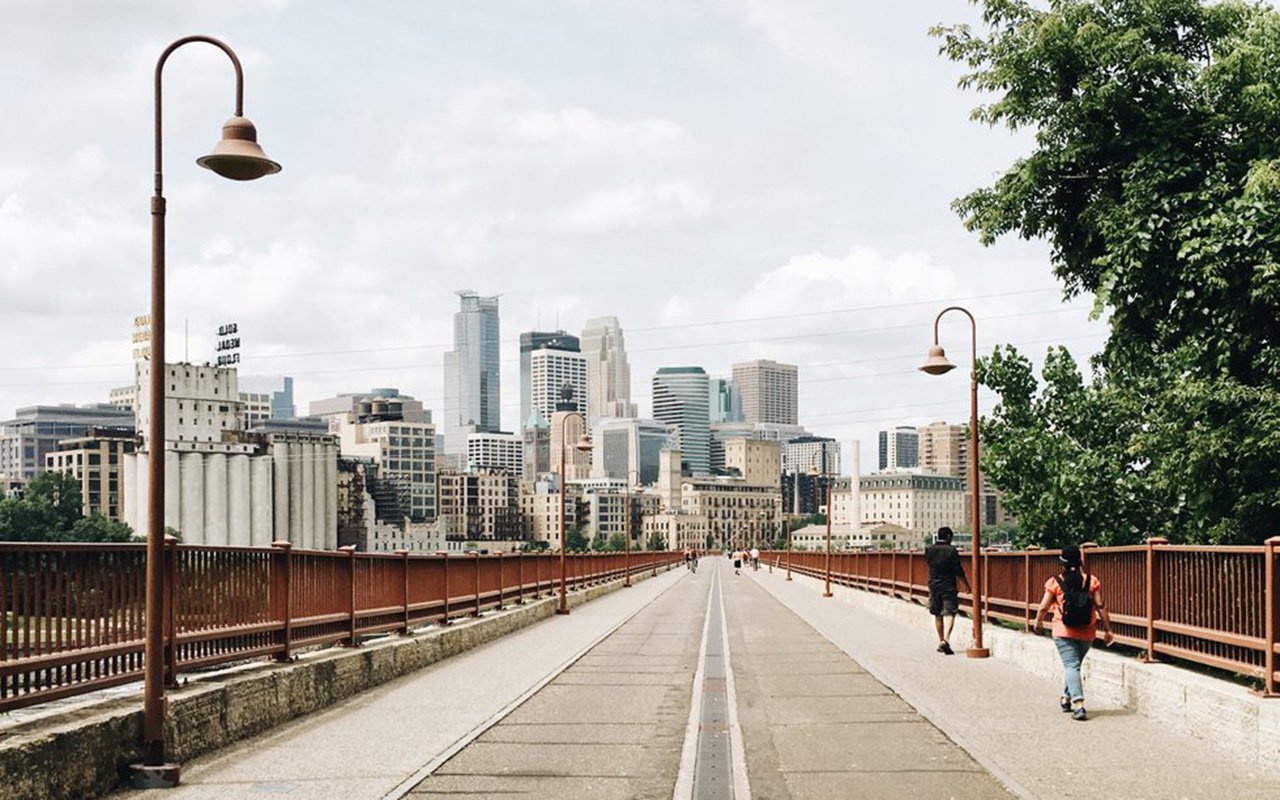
(404, 561)
(476, 583)
(170, 611)
(501, 581)
(281, 590)
(520, 578)
(1272, 592)
(1027, 595)
(986, 584)
(1152, 598)
(350, 550)
(444, 561)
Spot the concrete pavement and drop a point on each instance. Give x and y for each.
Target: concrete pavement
(1009, 721)
(815, 724)
(611, 726)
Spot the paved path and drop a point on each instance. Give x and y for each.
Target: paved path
(815, 724)
(611, 726)
(1010, 721)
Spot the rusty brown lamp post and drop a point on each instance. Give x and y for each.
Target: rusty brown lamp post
(826, 592)
(238, 157)
(584, 444)
(627, 538)
(937, 364)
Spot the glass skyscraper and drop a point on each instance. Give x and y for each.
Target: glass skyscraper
(681, 397)
(472, 391)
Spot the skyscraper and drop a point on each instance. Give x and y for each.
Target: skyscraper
(726, 401)
(608, 373)
(681, 399)
(768, 391)
(550, 371)
(900, 448)
(472, 396)
(539, 340)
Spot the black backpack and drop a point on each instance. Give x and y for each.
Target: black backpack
(1077, 604)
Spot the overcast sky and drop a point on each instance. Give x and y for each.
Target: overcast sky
(689, 166)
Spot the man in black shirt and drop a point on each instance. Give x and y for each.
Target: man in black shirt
(944, 568)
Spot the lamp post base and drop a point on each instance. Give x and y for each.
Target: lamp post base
(978, 652)
(157, 776)
(564, 611)
(827, 594)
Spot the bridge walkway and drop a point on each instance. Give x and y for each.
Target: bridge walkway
(816, 697)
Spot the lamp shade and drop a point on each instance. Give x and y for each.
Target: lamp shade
(584, 443)
(238, 156)
(937, 363)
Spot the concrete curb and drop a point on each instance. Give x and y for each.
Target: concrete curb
(86, 752)
(1228, 717)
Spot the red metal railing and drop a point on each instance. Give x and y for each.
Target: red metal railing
(73, 613)
(1218, 606)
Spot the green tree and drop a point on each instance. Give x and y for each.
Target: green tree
(97, 528)
(575, 539)
(47, 511)
(617, 543)
(1155, 179)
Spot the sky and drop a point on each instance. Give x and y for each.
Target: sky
(732, 179)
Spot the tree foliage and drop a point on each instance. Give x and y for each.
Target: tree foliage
(49, 510)
(1155, 179)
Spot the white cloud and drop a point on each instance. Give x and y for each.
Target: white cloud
(638, 207)
(581, 131)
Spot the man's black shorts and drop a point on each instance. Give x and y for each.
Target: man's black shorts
(943, 602)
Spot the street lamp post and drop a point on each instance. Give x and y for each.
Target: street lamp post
(937, 364)
(584, 443)
(237, 157)
(826, 592)
(786, 523)
(627, 536)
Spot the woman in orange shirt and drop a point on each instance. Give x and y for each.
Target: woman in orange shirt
(1081, 595)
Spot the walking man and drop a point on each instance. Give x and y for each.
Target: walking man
(944, 601)
(755, 558)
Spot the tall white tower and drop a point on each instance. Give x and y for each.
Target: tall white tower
(608, 372)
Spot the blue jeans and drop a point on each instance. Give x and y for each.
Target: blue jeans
(1072, 652)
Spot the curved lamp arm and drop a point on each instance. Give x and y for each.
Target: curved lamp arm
(235, 62)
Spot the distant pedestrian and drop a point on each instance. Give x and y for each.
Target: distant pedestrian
(944, 600)
(755, 559)
(737, 562)
(1076, 601)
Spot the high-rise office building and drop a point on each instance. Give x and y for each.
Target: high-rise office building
(900, 448)
(725, 400)
(768, 391)
(550, 372)
(496, 452)
(267, 397)
(393, 433)
(681, 399)
(472, 392)
(539, 340)
(628, 449)
(944, 449)
(809, 453)
(26, 441)
(608, 372)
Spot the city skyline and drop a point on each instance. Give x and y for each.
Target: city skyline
(772, 224)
